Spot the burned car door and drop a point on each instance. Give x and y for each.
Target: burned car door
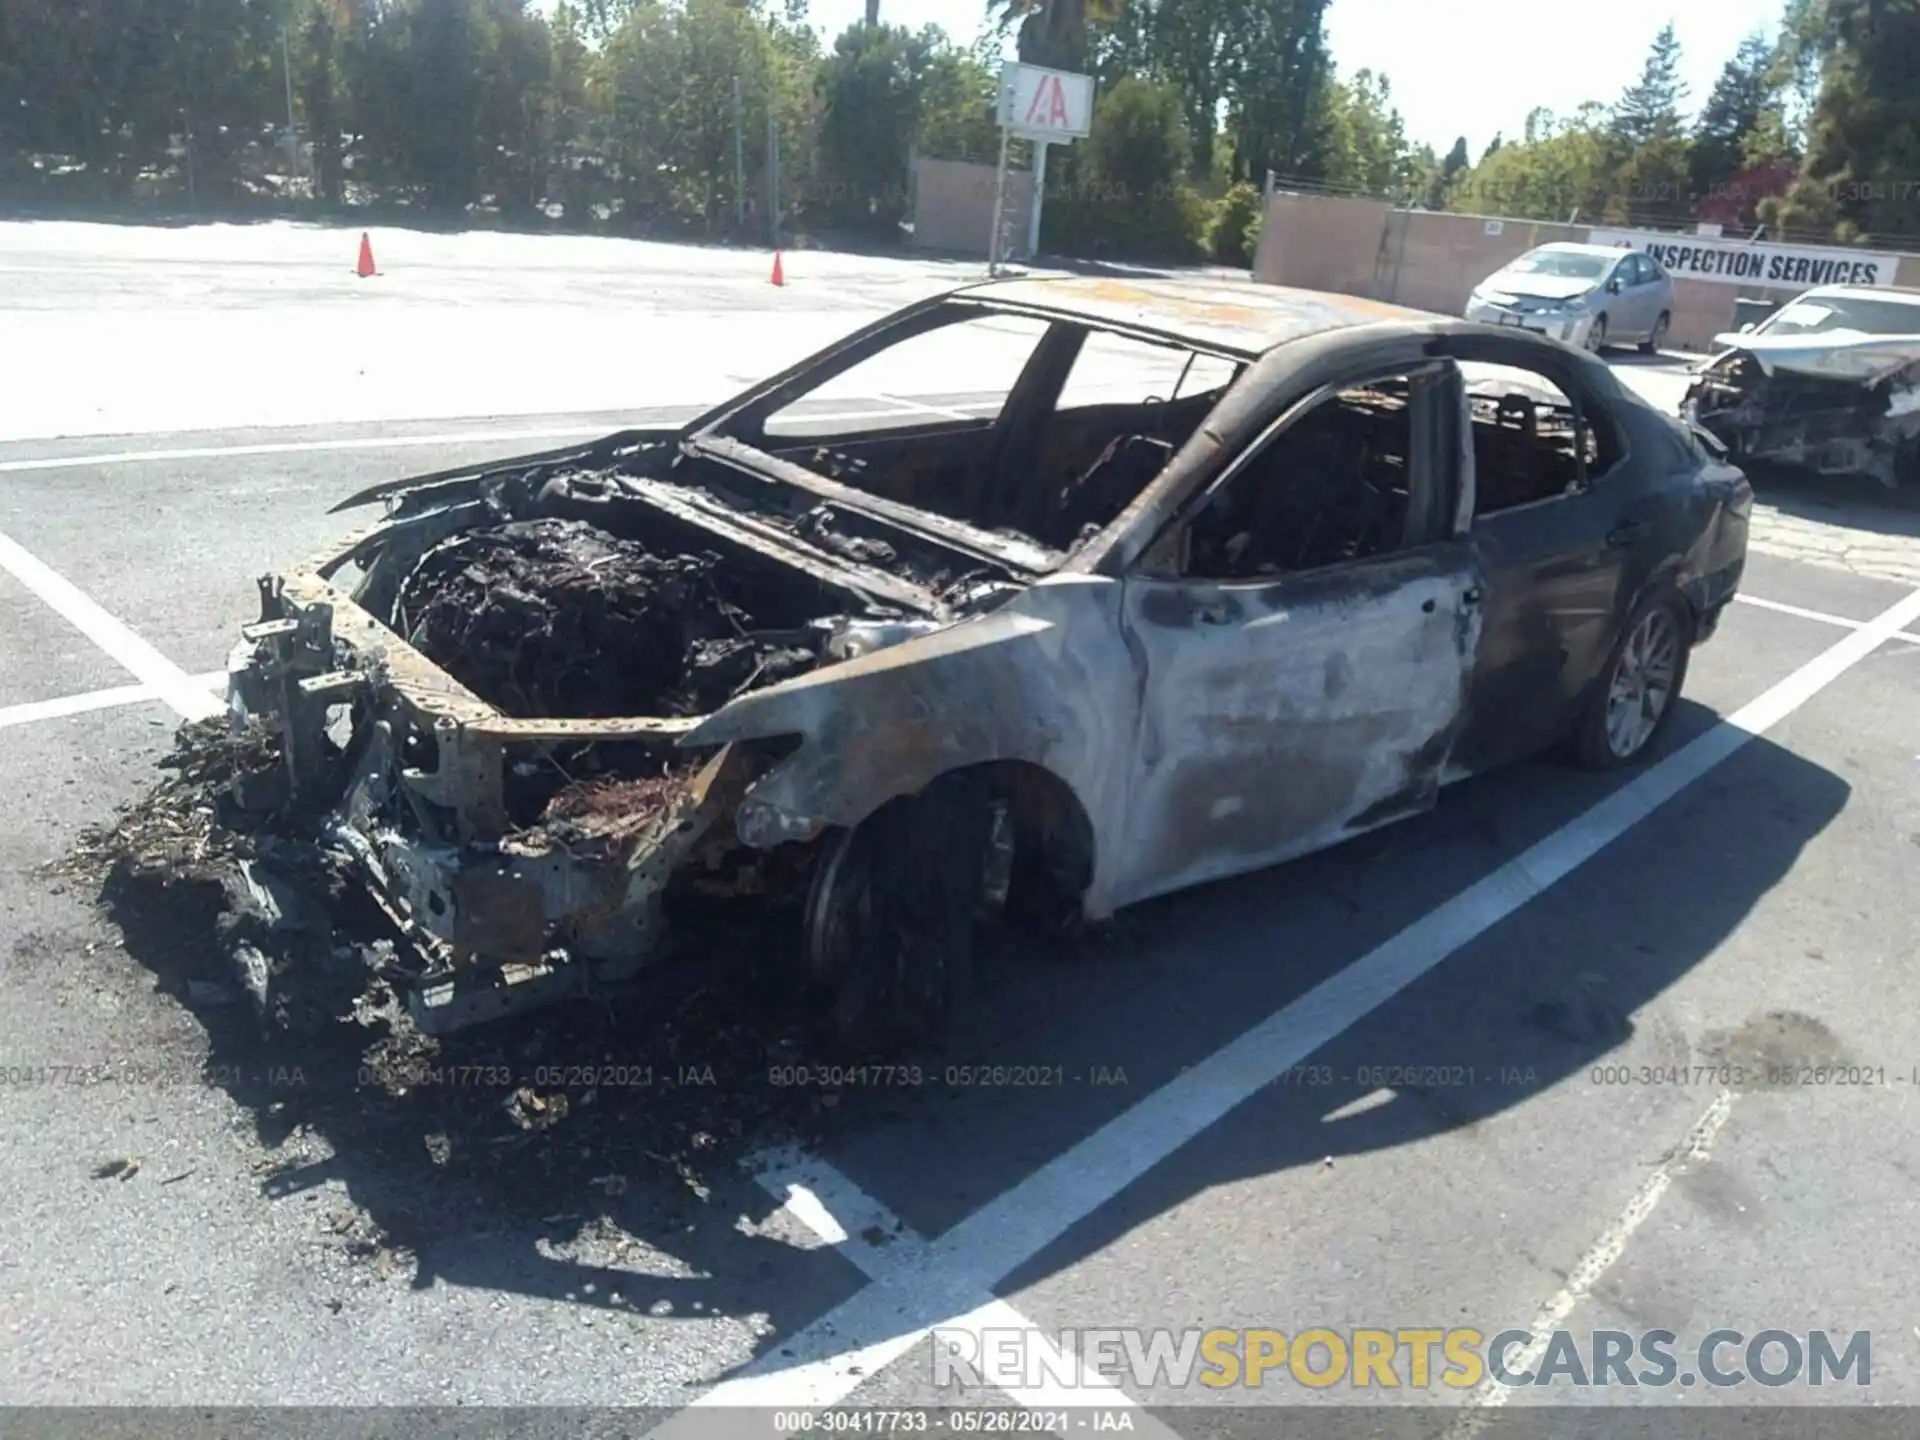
(1554, 525)
(1305, 631)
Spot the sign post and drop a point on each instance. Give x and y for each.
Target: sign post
(1043, 107)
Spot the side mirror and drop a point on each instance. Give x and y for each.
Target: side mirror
(1746, 327)
(1613, 286)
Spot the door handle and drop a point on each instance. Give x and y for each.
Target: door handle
(1211, 615)
(1625, 533)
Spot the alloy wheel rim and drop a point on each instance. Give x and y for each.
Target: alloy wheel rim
(1641, 686)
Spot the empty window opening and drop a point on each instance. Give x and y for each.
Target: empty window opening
(1126, 406)
(1529, 444)
(1335, 486)
(956, 374)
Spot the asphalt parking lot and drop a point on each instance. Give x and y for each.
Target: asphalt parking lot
(1468, 1071)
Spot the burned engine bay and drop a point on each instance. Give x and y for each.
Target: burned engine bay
(485, 723)
(1826, 423)
(598, 594)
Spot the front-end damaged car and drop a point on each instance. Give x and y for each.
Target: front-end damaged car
(1829, 384)
(1172, 581)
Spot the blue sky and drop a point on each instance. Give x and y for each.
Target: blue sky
(1468, 68)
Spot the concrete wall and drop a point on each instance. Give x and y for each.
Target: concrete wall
(953, 206)
(1432, 261)
(1322, 244)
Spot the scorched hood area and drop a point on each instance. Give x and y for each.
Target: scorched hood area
(664, 585)
(644, 584)
(478, 703)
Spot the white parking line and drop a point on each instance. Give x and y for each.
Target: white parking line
(146, 664)
(824, 1363)
(1491, 1394)
(1820, 615)
(406, 442)
(34, 710)
(879, 1243)
(296, 447)
(942, 411)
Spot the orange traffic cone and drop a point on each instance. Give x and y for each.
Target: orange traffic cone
(779, 271)
(365, 267)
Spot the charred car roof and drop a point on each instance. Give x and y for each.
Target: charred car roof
(1238, 317)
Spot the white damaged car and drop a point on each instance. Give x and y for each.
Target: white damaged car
(1829, 383)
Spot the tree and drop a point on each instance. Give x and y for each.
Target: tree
(873, 86)
(1054, 33)
(1863, 139)
(567, 110)
(1261, 62)
(1650, 107)
(322, 83)
(1190, 47)
(957, 101)
(1280, 76)
(1124, 185)
(1743, 98)
(1493, 148)
(1561, 168)
(1653, 185)
(1364, 139)
(440, 135)
(1440, 174)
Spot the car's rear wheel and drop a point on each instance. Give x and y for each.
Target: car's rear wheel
(1597, 334)
(1651, 345)
(893, 910)
(1632, 703)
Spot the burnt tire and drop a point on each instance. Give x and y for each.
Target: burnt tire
(893, 916)
(1630, 706)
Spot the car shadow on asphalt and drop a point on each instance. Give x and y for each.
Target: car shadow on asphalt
(588, 1154)
(1857, 502)
(1660, 360)
(631, 1198)
(1538, 1000)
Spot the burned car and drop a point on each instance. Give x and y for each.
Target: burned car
(1829, 383)
(1181, 579)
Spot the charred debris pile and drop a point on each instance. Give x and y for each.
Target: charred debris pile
(603, 595)
(559, 618)
(250, 920)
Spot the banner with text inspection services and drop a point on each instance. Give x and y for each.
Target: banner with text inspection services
(1727, 260)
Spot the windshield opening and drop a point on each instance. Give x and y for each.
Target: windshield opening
(1570, 263)
(1843, 312)
(927, 419)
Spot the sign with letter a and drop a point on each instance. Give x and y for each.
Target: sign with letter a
(1046, 104)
